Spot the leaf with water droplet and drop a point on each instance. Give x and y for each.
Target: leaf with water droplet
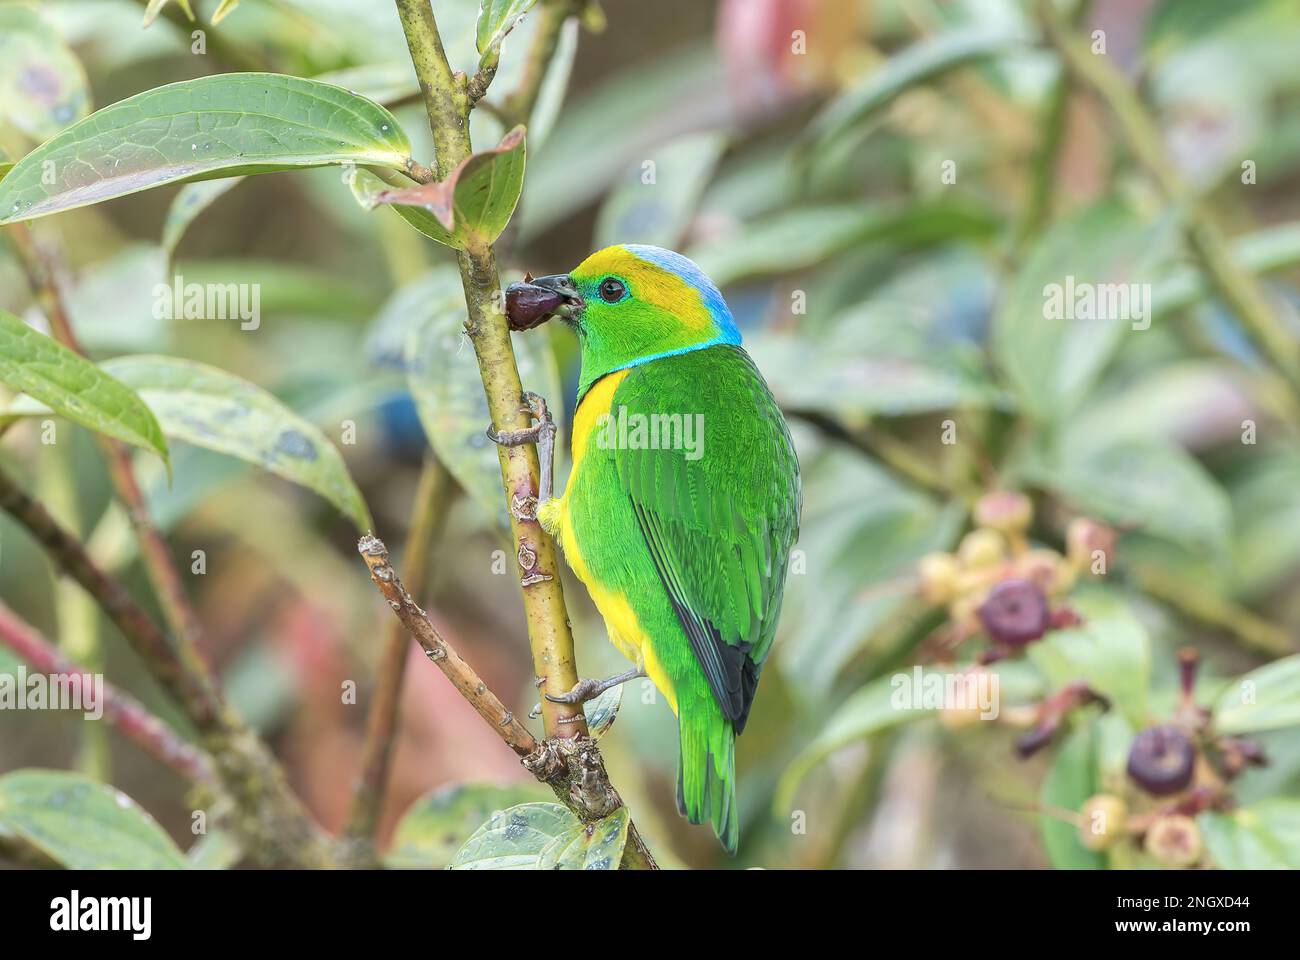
(211, 408)
(439, 823)
(216, 126)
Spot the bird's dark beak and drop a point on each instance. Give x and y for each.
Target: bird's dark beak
(572, 303)
(533, 302)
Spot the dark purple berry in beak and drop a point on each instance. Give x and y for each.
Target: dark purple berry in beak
(529, 305)
(1015, 613)
(1162, 760)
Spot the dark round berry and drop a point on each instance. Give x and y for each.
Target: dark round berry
(528, 305)
(1015, 613)
(1161, 760)
(612, 290)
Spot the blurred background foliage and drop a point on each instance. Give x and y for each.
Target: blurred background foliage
(882, 207)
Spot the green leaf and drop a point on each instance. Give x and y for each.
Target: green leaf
(1110, 650)
(1265, 836)
(191, 201)
(1049, 352)
(660, 211)
(444, 380)
(5, 167)
(603, 710)
(43, 86)
(923, 61)
(869, 710)
(1264, 699)
(367, 188)
(1149, 483)
(83, 825)
(438, 824)
(1071, 781)
(473, 205)
(73, 387)
(211, 408)
(496, 18)
(218, 126)
(544, 836)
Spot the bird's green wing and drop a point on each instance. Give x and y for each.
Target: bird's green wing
(719, 512)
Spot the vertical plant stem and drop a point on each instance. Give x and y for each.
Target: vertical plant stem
(447, 106)
(432, 497)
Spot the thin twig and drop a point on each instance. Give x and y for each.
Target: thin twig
(548, 629)
(432, 495)
(460, 673)
(571, 767)
(131, 718)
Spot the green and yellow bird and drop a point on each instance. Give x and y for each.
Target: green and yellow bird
(682, 503)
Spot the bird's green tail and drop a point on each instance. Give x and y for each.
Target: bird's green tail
(706, 775)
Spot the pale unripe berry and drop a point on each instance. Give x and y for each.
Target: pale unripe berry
(1004, 510)
(1104, 818)
(982, 548)
(939, 573)
(1175, 841)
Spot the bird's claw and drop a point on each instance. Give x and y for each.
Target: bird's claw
(541, 433)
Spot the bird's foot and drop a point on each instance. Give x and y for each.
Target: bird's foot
(590, 689)
(541, 433)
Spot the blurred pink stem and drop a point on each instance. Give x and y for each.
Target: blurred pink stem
(122, 710)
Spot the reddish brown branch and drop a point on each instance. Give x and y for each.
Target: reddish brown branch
(127, 714)
(431, 498)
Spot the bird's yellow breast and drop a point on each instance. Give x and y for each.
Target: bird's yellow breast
(621, 622)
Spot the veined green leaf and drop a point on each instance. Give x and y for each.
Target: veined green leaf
(211, 408)
(544, 836)
(218, 126)
(439, 823)
(43, 86)
(473, 205)
(73, 387)
(496, 18)
(1264, 699)
(83, 825)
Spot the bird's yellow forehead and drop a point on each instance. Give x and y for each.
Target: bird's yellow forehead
(648, 282)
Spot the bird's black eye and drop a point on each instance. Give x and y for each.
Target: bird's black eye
(612, 290)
